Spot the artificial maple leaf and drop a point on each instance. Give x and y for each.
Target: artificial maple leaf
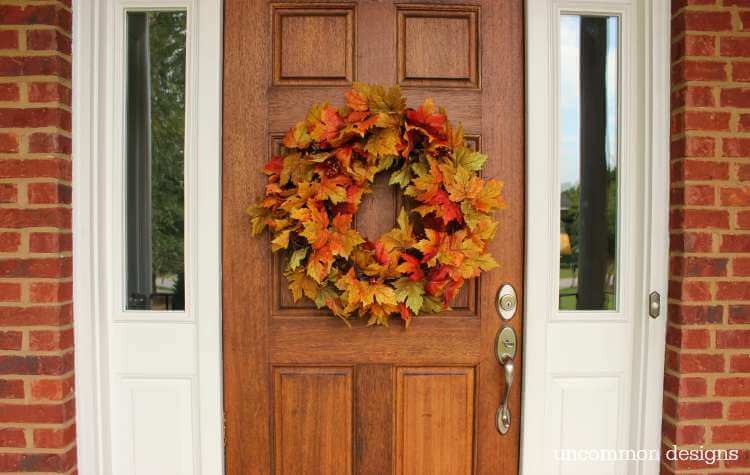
(402, 236)
(274, 166)
(445, 209)
(326, 127)
(460, 183)
(411, 293)
(332, 189)
(473, 265)
(380, 100)
(430, 246)
(297, 257)
(383, 142)
(358, 123)
(406, 314)
(454, 136)
(381, 253)
(402, 176)
(356, 99)
(426, 119)
(258, 218)
(468, 159)
(295, 169)
(442, 282)
(344, 156)
(344, 239)
(490, 197)
(297, 137)
(319, 264)
(315, 227)
(300, 284)
(281, 241)
(427, 182)
(411, 267)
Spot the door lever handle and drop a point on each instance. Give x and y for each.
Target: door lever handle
(503, 413)
(505, 350)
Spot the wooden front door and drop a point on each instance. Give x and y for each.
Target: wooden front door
(303, 393)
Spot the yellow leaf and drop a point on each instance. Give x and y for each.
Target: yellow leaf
(383, 142)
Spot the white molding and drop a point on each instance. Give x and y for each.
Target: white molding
(657, 26)
(86, 94)
(99, 319)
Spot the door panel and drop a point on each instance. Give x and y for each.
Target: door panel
(303, 392)
(313, 420)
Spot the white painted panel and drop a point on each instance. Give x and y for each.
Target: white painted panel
(155, 425)
(589, 414)
(153, 348)
(589, 347)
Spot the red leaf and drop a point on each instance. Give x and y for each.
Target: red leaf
(411, 267)
(381, 255)
(274, 166)
(405, 312)
(425, 118)
(446, 209)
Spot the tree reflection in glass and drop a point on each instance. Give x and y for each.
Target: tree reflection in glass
(588, 162)
(155, 150)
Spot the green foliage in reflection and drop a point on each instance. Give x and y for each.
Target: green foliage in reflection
(167, 60)
(570, 225)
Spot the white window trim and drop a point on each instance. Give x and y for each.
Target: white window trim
(92, 101)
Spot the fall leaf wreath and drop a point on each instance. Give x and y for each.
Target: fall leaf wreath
(315, 186)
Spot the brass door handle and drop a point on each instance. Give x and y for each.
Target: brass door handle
(505, 349)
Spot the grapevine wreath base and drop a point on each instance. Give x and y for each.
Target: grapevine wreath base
(329, 161)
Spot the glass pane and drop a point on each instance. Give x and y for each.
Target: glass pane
(155, 157)
(588, 162)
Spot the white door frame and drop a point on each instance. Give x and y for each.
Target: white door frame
(90, 94)
(647, 40)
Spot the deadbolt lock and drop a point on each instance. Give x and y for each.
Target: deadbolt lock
(506, 302)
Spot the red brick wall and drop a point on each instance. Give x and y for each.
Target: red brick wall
(37, 430)
(707, 380)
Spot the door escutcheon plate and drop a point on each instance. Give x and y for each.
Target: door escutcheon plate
(507, 301)
(505, 345)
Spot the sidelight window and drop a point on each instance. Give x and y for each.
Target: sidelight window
(155, 160)
(588, 164)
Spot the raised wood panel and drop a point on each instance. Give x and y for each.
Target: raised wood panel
(434, 420)
(313, 44)
(313, 420)
(424, 30)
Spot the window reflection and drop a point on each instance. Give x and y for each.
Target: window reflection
(155, 138)
(588, 162)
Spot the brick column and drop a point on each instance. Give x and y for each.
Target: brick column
(37, 429)
(707, 380)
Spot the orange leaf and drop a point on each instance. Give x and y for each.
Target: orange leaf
(356, 100)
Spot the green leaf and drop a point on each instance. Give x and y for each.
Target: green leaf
(401, 177)
(469, 159)
(325, 293)
(296, 258)
(411, 292)
(432, 305)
